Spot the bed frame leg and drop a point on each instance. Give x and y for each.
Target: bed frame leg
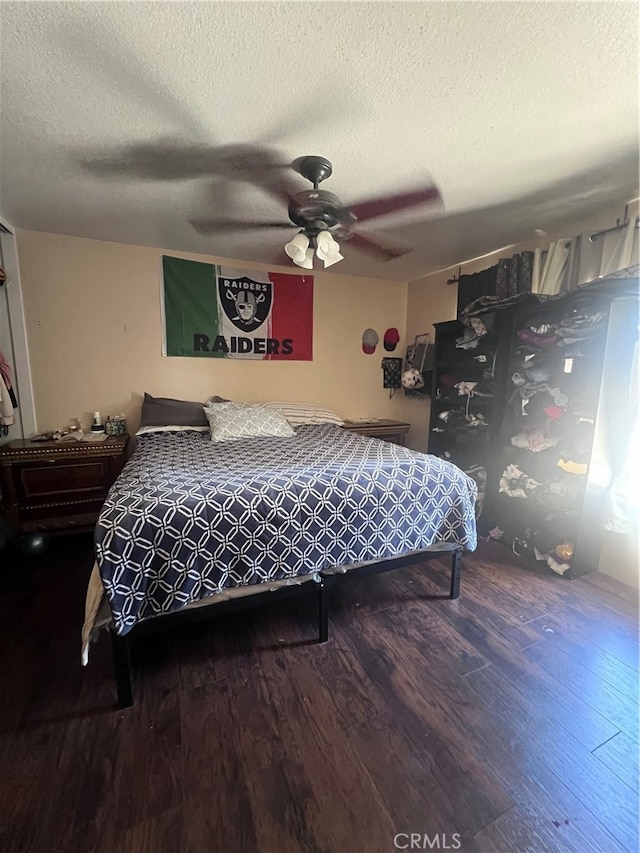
(456, 571)
(323, 613)
(122, 666)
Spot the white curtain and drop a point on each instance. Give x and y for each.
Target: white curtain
(622, 512)
(618, 248)
(549, 268)
(609, 253)
(569, 263)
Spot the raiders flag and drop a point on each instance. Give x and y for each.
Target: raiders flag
(214, 311)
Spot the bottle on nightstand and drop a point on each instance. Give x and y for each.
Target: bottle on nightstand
(97, 425)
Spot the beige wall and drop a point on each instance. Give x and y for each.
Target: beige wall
(95, 337)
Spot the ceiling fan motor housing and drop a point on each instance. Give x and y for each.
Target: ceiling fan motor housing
(317, 210)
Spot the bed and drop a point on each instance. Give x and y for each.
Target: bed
(192, 522)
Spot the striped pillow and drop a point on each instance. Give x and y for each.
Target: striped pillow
(305, 413)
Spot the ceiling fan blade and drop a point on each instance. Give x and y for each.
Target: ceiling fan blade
(276, 183)
(373, 207)
(166, 160)
(219, 226)
(382, 247)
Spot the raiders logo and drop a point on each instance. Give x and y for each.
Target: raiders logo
(245, 302)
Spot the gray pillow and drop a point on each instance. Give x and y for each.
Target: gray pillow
(231, 421)
(164, 411)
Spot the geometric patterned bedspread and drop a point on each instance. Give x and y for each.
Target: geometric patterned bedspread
(188, 518)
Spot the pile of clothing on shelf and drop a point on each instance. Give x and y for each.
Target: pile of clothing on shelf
(459, 388)
(556, 494)
(545, 546)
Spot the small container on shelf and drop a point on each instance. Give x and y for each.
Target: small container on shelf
(116, 425)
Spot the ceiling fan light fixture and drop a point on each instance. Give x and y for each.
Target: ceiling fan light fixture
(328, 250)
(298, 249)
(307, 262)
(332, 259)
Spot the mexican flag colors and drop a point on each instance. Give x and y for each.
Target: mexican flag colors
(212, 311)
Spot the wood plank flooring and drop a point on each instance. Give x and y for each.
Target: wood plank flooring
(504, 721)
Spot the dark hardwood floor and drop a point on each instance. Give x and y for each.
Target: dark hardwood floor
(504, 721)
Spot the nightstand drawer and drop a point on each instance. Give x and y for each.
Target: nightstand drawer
(58, 486)
(67, 512)
(58, 477)
(393, 431)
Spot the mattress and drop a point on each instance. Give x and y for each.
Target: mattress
(189, 518)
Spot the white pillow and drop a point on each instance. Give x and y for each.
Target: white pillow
(231, 421)
(305, 413)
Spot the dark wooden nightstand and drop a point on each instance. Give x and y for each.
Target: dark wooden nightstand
(52, 485)
(394, 431)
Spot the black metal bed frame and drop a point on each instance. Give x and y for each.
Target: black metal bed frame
(122, 645)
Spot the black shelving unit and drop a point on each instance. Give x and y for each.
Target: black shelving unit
(560, 517)
(559, 513)
(467, 435)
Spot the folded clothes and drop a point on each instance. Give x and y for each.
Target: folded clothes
(474, 389)
(459, 419)
(535, 440)
(466, 388)
(471, 336)
(581, 326)
(540, 329)
(557, 567)
(490, 304)
(455, 357)
(542, 341)
(516, 483)
(554, 412)
(538, 374)
(572, 467)
(531, 388)
(558, 495)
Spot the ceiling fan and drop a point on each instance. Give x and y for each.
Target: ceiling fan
(320, 216)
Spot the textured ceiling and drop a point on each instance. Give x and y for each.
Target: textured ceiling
(525, 115)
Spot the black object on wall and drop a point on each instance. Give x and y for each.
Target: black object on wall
(391, 372)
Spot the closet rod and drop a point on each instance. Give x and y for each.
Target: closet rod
(455, 280)
(617, 227)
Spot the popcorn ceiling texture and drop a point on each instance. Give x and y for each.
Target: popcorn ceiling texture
(494, 100)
